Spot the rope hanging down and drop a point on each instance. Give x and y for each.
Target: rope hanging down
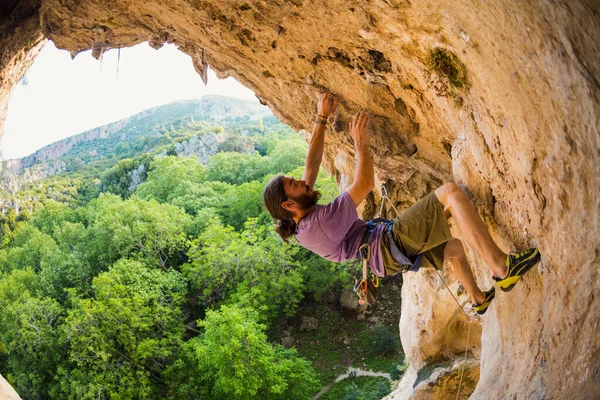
(384, 196)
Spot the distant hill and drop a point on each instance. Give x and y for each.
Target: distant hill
(148, 123)
(189, 127)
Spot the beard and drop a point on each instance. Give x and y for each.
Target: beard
(307, 200)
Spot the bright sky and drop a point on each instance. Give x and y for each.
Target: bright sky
(64, 97)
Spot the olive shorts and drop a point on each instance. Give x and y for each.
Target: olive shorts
(420, 229)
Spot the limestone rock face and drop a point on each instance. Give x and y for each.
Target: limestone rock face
(502, 97)
(11, 183)
(435, 334)
(200, 146)
(136, 176)
(6, 391)
(21, 40)
(432, 327)
(439, 382)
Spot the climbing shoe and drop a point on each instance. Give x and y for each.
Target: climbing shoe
(489, 296)
(518, 265)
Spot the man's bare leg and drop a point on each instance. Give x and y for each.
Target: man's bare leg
(458, 205)
(455, 254)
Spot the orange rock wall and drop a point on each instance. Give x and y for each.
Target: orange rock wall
(519, 130)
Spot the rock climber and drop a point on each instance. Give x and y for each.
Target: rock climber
(420, 235)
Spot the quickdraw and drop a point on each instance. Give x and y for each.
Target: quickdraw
(366, 296)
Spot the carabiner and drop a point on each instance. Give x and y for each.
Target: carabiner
(376, 281)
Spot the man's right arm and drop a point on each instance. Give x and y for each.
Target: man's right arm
(364, 176)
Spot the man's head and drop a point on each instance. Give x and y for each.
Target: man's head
(285, 198)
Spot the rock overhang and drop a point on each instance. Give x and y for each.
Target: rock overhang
(502, 98)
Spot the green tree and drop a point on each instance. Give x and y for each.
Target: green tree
(117, 179)
(261, 126)
(232, 359)
(243, 202)
(120, 341)
(166, 173)
(69, 265)
(136, 228)
(249, 268)
(264, 144)
(192, 196)
(29, 248)
(323, 276)
(384, 341)
(24, 215)
(51, 215)
(236, 168)
(9, 224)
(29, 334)
(86, 191)
(202, 220)
(287, 156)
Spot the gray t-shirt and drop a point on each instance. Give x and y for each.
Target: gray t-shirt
(335, 233)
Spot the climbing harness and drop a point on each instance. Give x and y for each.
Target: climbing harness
(365, 290)
(384, 196)
(397, 255)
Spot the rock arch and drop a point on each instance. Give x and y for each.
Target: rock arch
(502, 97)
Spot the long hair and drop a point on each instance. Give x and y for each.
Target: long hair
(273, 196)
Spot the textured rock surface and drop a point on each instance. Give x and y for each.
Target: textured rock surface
(520, 133)
(6, 391)
(20, 42)
(349, 300)
(200, 146)
(434, 332)
(439, 382)
(136, 177)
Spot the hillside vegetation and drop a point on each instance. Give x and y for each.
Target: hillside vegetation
(140, 264)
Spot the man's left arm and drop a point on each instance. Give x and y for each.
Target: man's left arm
(325, 107)
(364, 176)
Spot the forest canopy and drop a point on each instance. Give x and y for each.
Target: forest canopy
(165, 287)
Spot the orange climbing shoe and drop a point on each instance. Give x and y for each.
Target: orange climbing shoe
(518, 265)
(489, 296)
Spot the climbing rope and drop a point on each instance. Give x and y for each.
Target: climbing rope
(384, 196)
(469, 320)
(462, 369)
